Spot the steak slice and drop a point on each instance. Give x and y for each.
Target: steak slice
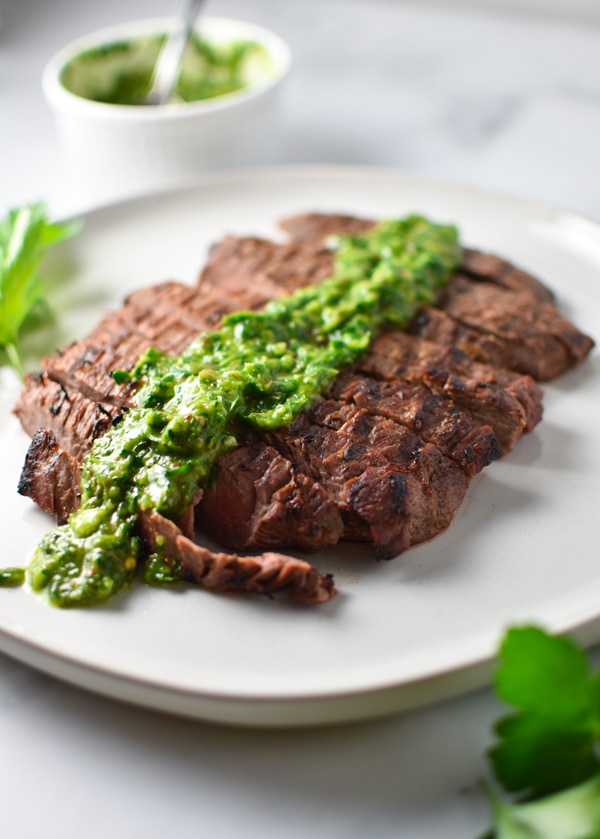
(75, 420)
(481, 266)
(171, 315)
(420, 416)
(508, 402)
(56, 491)
(50, 477)
(435, 418)
(258, 499)
(392, 489)
(87, 365)
(493, 269)
(268, 573)
(305, 227)
(76, 393)
(269, 269)
(503, 327)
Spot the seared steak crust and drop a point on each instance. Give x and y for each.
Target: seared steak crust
(385, 456)
(167, 317)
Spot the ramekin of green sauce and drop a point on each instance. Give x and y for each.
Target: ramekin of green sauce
(223, 112)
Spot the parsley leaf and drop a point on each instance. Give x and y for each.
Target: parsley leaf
(25, 235)
(571, 814)
(549, 744)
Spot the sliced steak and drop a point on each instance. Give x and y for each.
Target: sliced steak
(170, 316)
(494, 269)
(56, 491)
(482, 266)
(385, 456)
(269, 269)
(268, 573)
(51, 478)
(167, 316)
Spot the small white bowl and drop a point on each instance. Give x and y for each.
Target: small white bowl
(116, 150)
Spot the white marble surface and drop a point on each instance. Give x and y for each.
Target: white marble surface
(463, 92)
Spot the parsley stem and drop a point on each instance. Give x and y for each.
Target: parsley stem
(14, 358)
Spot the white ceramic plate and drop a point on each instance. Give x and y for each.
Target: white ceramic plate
(523, 546)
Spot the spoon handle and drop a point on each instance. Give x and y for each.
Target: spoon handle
(166, 70)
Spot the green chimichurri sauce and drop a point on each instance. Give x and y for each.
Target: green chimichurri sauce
(261, 368)
(121, 73)
(11, 577)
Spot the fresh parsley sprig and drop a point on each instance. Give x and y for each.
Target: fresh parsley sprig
(546, 755)
(25, 236)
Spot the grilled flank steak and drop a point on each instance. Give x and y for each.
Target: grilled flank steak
(385, 456)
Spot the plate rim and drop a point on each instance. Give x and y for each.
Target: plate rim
(190, 183)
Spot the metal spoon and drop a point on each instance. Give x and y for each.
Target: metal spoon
(166, 70)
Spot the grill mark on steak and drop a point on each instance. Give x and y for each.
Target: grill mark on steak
(420, 417)
(86, 365)
(168, 317)
(269, 269)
